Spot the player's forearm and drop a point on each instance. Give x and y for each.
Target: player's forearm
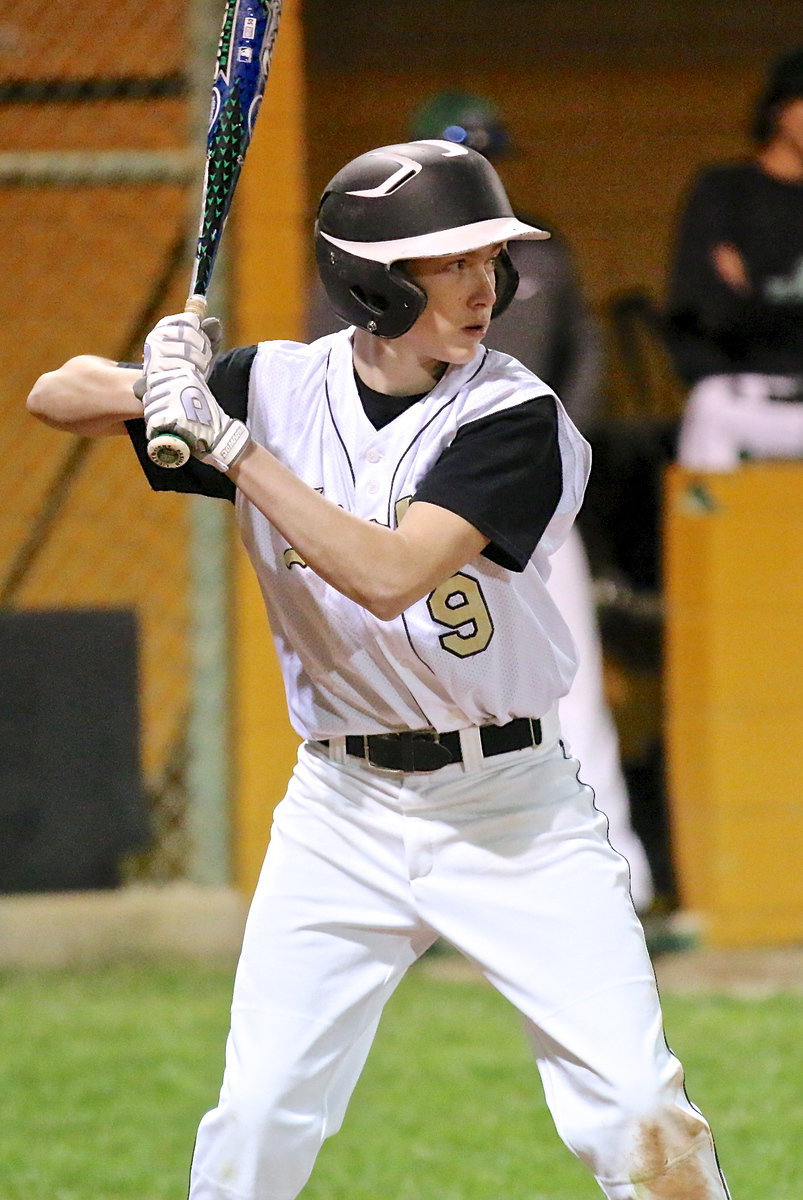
(383, 570)
(87, 395)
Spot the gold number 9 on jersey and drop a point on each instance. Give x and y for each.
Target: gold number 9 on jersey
(459, 604)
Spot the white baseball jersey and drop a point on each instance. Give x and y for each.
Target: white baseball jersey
(488, 644)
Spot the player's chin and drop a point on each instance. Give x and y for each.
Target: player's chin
(463, 345)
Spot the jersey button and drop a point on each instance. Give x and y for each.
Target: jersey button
(373, 487)
(374, 456)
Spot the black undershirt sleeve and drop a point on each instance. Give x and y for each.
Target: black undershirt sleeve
(228, 382)
(503, 474)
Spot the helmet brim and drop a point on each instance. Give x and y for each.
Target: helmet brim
(461, 240)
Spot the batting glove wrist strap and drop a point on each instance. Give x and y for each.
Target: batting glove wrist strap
(229, 446)
(180, 402)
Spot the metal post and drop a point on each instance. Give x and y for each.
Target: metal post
(208, 781)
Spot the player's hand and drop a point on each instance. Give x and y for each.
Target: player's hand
(214, 331)
(182, 340)
(179, 401)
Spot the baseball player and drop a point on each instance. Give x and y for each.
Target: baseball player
(400, 490)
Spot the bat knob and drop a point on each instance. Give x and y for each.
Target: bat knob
(168, 450)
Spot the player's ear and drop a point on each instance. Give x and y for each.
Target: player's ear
(507, 282)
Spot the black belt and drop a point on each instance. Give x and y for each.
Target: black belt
(426, 750)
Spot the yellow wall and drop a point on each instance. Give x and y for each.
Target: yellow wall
(734, 693)
(267, 301)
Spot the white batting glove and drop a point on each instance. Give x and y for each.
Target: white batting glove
(182, 340)
(180, 402)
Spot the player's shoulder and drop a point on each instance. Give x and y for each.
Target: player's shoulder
(247, 374)
(288, 378)
(303, 349)
(493, 385)
(296, 357)
(504, 384)
(501, 382)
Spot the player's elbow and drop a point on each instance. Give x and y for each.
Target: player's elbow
(387, 600)
(40, 398)
(399, 573)
(48, 399)
(87, 395)
(384, 610)
(378, 604)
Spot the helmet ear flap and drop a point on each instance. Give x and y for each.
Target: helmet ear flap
(385, 300)
(507, 282)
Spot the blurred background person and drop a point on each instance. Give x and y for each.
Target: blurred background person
(549, 328)
(735, 297)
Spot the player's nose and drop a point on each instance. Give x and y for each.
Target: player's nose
(484, 290)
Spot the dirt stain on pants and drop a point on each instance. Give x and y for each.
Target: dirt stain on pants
(672, 1162)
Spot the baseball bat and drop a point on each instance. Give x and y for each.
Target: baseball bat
(245, 50)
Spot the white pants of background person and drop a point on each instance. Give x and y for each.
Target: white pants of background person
(731, 417)
(509, 862)
(585, 717)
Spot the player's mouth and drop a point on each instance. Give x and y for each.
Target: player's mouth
(477, 330)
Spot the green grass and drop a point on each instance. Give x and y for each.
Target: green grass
(104, 1075)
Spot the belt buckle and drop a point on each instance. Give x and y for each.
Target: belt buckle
(428, 754)
(408, 752)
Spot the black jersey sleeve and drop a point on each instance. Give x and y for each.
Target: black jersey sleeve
(503, 474)
(228, 382)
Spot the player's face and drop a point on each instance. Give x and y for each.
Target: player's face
(461, 290)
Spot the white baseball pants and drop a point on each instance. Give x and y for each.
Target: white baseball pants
(510, 863)
(728, 416)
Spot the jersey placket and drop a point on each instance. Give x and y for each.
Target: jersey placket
(371, 482)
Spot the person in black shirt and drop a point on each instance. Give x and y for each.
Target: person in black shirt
(735, 303)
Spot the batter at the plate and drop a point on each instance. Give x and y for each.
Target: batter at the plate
(400, 490)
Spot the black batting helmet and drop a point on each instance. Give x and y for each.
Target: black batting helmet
(414, 200)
